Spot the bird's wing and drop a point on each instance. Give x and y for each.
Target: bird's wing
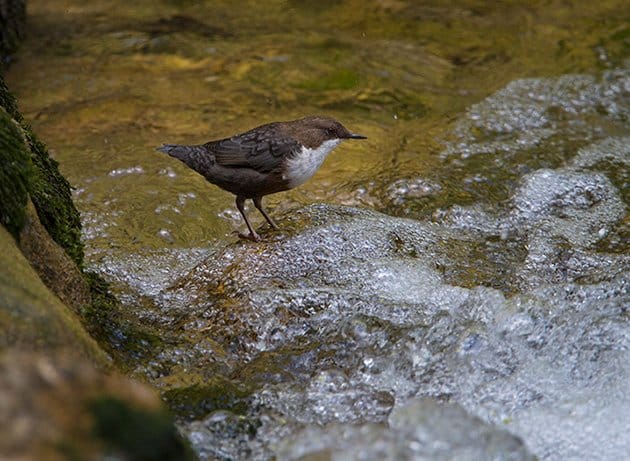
(262, 152)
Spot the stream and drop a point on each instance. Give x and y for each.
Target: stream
(457, 286)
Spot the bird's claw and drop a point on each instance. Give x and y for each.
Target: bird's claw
(253, 236)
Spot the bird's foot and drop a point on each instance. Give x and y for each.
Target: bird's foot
(253, 236)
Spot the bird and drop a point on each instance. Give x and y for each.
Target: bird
(270, 158)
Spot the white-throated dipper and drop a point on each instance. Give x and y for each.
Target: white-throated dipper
(267, 159)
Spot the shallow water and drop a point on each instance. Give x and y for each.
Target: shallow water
(498, 132)
(105, 82)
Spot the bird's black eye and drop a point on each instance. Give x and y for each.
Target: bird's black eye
(330, 131)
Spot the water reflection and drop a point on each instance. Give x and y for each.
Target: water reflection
(516, 186)
(104, 82)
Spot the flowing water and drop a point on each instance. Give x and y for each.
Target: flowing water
(454, 287)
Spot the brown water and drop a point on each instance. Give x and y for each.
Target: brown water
(105, 82)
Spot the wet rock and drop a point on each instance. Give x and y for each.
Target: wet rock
(56, 406)
(338, 321)
(350, 261)
(56, 401)
(12, 25)
(58, 272)
(419, 429)
(504, 301)
(587, 203)
(527, 112)
(32, 317)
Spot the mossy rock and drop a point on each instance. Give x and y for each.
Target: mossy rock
(27, 168)
(12, 22)
(27, 171)
(72, 411)
(7, 100)
(197, 400)
(31, 316)
(137, 432)
(51, 194)
(15, 173)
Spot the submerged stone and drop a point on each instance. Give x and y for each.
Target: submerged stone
(513, 313)
(419, 429)
(355, 315)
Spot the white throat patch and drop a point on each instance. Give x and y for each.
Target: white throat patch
(304, 165)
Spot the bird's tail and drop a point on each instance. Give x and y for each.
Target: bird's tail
(196, 157)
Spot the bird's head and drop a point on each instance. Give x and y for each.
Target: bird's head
(313, 131)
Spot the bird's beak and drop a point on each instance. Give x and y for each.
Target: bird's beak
(356, 136)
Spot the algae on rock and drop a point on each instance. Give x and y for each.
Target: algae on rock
(14, 175)
(31, 316)
(49, 190)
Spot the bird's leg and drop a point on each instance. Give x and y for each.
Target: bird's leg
(240, 204)
(258, 204)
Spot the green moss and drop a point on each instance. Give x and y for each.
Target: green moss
(15, 166)
(8, 101)
(100, 315)
(125, 341)
(27, 169)
(342, 79)
(196, 401)
(51, 194)
(49, 190)
(15, 171)
(136, 433)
